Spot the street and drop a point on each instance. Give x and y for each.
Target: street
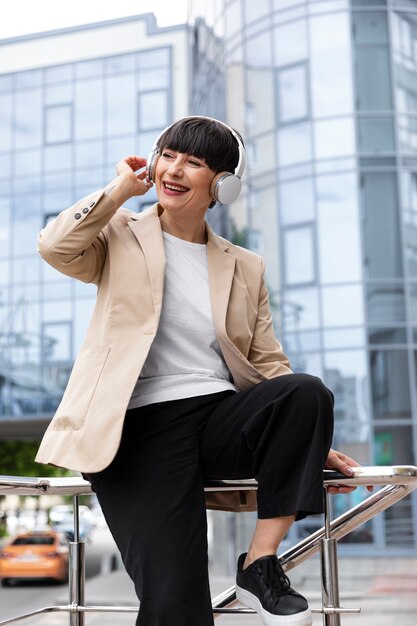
(25, 596)
(384, 588)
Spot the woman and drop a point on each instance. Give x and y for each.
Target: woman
(181, 378)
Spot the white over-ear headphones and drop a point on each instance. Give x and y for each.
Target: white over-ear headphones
(225, 186)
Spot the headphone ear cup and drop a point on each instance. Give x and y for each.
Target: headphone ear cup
(225, 187)
(214, 185)
(151, 165)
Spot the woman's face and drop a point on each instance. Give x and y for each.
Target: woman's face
(183, 182)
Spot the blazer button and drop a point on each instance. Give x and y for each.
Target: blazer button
(77, 216)
(92, 204)
(85, 209)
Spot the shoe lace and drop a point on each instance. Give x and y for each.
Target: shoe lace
(271, 576)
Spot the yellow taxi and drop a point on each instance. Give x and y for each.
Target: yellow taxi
(34, 555)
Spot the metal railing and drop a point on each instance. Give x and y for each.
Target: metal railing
(396, 481)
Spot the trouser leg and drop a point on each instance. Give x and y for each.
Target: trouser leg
(153, 500)
(278, 431)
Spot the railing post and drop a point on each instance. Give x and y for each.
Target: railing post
(76, 571)
(329, 572)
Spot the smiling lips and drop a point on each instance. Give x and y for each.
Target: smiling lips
(172, 189)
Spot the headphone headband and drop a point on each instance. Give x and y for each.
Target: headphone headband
(225, 186)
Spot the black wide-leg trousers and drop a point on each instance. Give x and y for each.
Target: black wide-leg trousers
(152, 494)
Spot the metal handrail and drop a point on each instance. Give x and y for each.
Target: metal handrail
(398, 482)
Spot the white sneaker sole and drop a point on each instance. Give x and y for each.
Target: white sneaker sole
(250, 600)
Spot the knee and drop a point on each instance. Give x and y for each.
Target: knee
(310, 382)
(312, 389)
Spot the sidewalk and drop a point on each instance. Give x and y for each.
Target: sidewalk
(385, 589)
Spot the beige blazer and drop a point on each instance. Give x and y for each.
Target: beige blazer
(122, 252)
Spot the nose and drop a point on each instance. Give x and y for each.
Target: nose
(176, 166)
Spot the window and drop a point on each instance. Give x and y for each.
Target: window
(301, 309)
(157, 78)
(30, 78)
(255, 10)
(27, 162)
(346, 374)
(299, 255)
(334, 138)
(89, 105)
(294, 144)
(381, 232)
(57, 157)
(292, 94)
(370, 27)
(58, 94)
(58, 123)
(121, 63)
(28, 119)
(373, 78)
(297, 201)
(233, 18)
(153, 58)
(330, 63)
(291, 43)
(6, 121)
(57, 341)
(26, 215)
(258, 50)
(89, 153)
(342, 306)
(385, 304)
(58, 74)
(120, 104)
(390, 384)
(338, 229)
(85, 69)
(153, 110)
(376, 135)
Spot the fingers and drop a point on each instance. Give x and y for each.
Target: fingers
(342, 463)
(130, 163)
(134, 162)
(335, 489)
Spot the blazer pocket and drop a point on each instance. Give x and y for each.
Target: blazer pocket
(75, 403)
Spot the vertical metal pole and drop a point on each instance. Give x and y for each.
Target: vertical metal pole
(77, 571)
(329, 573)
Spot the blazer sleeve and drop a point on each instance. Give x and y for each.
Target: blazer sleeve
(74, 243)
(266, 353)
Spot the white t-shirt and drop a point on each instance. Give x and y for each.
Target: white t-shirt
(185, 358)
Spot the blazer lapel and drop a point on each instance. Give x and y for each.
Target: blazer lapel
(221, 268)
(147, 229)
(221, 265)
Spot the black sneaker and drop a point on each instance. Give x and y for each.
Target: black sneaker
(264, 586)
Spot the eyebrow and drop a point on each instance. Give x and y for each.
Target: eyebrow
(196, 158)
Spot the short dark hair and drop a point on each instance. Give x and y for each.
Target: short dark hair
(205, 139)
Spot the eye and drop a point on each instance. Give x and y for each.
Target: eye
(194, 162)
(167, 155)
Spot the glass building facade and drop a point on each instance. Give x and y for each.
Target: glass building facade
(63, 127)
(324, 92)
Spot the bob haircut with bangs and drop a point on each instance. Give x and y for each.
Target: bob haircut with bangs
(205, 139)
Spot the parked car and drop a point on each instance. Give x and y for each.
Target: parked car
(34, 555)
(66, 527)
(62, 519)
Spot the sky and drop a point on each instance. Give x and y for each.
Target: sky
(32, 16)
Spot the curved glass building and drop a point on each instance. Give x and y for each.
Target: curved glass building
(325, 93)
